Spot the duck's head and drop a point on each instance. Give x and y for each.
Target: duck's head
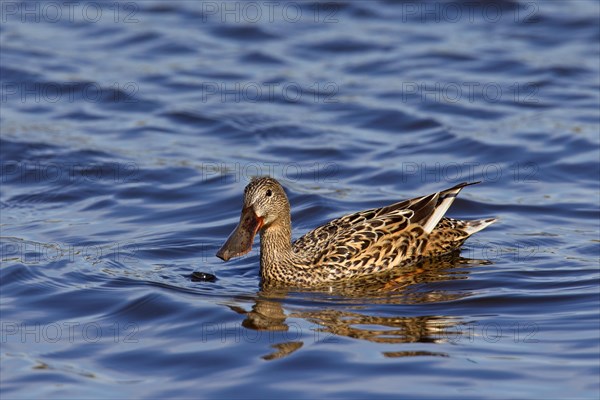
(265, 206)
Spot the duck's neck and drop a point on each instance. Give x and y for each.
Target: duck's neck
(276, 254)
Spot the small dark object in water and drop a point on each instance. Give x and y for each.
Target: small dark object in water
(202, 277)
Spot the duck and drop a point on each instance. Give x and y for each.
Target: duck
(353, 246)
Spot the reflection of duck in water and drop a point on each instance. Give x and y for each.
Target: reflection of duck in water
(346, 319)
(356, 245)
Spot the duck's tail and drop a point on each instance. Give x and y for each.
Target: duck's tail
(451, 233)
(475, 226)
(445, 199)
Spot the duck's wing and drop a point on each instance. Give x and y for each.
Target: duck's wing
(397, 231)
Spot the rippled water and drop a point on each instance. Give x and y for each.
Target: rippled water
(130, 129)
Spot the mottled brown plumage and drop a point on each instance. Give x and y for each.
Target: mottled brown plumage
(356, 245)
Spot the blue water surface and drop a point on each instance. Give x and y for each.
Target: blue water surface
(129, 130)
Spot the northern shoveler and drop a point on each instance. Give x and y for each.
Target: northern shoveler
(352, 246)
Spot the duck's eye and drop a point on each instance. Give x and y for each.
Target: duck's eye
(269, 193)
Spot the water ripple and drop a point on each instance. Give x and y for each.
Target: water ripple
(124, 154)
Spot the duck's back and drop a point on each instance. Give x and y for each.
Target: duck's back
(380, 239)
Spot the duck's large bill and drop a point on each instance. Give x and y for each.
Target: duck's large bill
(240, 240)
